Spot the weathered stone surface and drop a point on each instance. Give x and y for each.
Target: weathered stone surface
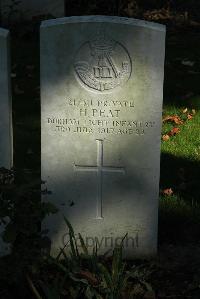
(102, 89)
(5, 112)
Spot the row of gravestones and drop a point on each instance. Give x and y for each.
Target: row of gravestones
(101, 104)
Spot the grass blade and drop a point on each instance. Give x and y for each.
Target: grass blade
(84, 248)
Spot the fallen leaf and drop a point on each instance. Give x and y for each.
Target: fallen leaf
(193, 111)
(165, 137)
(89, 276)
(174, 131)
(168, 191)
(189, 116)
(173, 118)
(185, 110)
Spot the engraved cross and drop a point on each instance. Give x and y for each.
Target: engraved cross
(99, 169)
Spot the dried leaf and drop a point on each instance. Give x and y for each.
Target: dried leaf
(168, 191)
(185, 110)
(174, 131)
(89, 276)
(165, 137)
(193, 111)
(173, 118)
(189, 116)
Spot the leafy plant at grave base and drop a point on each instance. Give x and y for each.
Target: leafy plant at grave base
(81, 275)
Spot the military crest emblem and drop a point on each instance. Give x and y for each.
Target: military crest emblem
(102, 64)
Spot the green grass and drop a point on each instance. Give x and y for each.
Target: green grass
(186, 144)
(180, 156)
(179, 214)
(179, 221)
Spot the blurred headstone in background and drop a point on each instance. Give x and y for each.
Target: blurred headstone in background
(15, 11)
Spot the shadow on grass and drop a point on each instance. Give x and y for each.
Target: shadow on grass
(179, 215)
(182, 175)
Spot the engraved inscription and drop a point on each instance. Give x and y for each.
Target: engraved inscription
(100, 103)
(99, 116)
(100, 126)
(102, 64)
(99, 169)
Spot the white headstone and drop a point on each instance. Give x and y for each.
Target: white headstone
(5, 112)
(102, 90)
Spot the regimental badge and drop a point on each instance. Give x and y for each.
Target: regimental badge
(102, 64)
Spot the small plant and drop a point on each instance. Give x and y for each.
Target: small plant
(83, 275)
(78, 273)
